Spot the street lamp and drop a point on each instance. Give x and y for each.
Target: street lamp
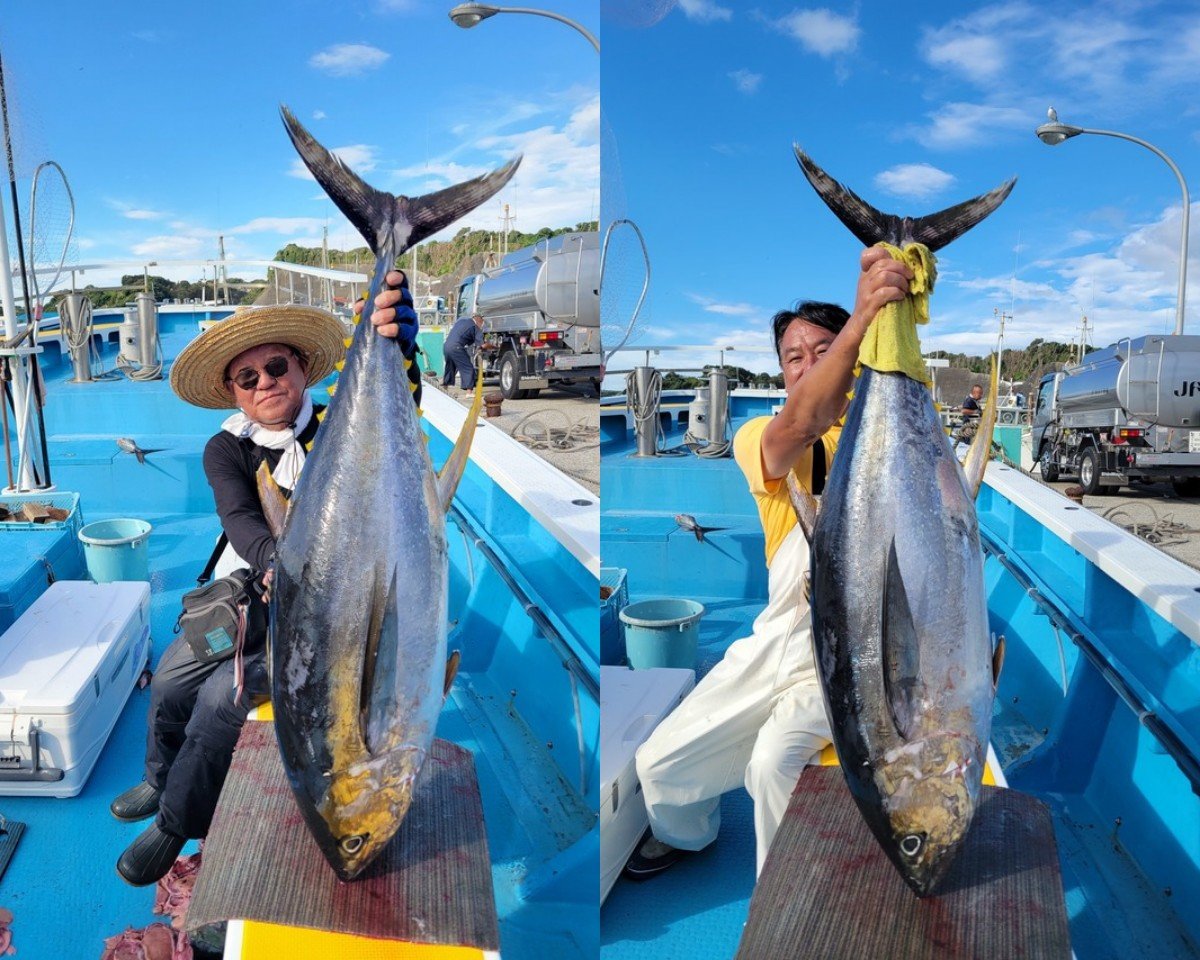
(467, 15)
(1054, 133)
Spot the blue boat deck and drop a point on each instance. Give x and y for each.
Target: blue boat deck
(513, 705)
(1126, 818)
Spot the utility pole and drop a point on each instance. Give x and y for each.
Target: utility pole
(325, 264)
(224, 273)
(1000, 343)
(506, 220)
(1083, 337)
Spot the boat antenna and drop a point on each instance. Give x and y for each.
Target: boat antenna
(35, 377)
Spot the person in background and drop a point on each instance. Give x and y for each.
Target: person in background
(466, 332)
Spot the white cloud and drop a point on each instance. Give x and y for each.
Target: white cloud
(977, 58)
(968, 124)
(704, 11)
(319, 115)
(398, 6)
(745, 81)
(135, 214)
(348, 59)
(174, 247)
(309, 225)
(444, 172)
(709, 305)
(916, 181)
(359, 157)
(821, 31)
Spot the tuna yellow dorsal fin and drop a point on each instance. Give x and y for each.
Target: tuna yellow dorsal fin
(452, 470)
(981, 446)
(452, 663)
(274, 504)
(804, 503)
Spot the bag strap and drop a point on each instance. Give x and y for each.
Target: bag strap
(207, 572)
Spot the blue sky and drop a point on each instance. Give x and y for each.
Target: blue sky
(916, 107)
(165, 116)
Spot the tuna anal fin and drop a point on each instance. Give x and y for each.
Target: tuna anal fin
(998, 661)
(975, 466)
(805, 505)
(452, 663)
(274, 504)
(452, 470)
(901, 652)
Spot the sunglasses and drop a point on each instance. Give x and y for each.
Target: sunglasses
(248, 379)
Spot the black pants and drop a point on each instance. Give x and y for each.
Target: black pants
(458, 361)
(193, 726)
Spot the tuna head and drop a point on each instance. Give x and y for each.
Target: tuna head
(365, 805)
(929, 791)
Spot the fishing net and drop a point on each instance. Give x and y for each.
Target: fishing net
(635, 13)
(625, 263)
(50, 244)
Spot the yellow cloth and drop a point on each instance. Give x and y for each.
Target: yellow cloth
(891, 344)
(272, 940)
(774, 505)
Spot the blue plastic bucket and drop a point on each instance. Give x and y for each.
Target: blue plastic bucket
(116, 550)
(662, 633)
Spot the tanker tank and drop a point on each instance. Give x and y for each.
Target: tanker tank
(1153, 378)
(558, 277)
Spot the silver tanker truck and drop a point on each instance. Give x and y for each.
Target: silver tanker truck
(1130, 411)
(541, 310)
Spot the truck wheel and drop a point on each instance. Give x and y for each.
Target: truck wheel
(1089, 471)
(510, 377)
(1186, 486)
(1048, 466)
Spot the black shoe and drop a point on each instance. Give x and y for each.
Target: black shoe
(652, 857)
(136, 803)
(149, 858)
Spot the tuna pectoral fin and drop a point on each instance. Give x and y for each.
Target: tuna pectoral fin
(378, 710)
(998, 661)
(901, 652)
(870, 225)
(381, 217)
(452, 470)
(980, 451)
(274, 504)
(805, 505)
(452, 663)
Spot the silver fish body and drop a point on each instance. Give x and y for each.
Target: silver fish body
(900, 627)
(358, 626)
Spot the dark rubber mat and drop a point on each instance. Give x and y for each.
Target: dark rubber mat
(433, 883)
(828, 890)
(10, 836)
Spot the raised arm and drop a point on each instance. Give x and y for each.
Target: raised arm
(817, 391)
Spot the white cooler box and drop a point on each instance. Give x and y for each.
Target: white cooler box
(632, 704)
(67, 666)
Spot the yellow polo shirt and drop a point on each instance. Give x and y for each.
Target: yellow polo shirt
(774, 506)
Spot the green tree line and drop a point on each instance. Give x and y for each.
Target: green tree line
(437, 258)
(1016, 365)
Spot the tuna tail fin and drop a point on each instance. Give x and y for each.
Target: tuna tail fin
(381, 217)
(456, 464)
(935, 230)
(980, 451)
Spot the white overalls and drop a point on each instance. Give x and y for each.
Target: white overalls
(757, 718)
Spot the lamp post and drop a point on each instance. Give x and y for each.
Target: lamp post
(467, 15)
(1053, 133)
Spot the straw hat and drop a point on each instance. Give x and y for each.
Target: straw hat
(198, 374)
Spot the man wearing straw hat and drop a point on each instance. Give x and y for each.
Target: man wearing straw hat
(261, 361)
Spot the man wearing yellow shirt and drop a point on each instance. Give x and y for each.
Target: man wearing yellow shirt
(757, 717)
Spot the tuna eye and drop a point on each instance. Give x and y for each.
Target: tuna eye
(351, 845)
(911, 845)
